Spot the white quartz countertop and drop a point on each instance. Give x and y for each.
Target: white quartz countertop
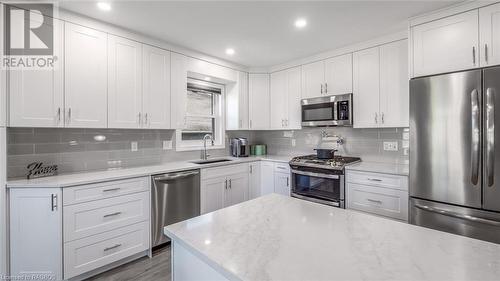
(67, 180)
(384, 168)
(282, 238)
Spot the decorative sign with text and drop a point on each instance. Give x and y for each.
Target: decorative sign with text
(38, 170)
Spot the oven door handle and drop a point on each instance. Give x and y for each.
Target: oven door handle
(317, 175)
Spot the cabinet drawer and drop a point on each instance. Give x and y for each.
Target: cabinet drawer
(376, 179)
(89, 253)
(85, 219)
(282, 167)
(90, 192)
(223, 171)
(378, 200)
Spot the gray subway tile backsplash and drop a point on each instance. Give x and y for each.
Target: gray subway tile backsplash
(79, 150)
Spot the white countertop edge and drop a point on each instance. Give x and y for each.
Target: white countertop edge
(379, 167)
(68, 180)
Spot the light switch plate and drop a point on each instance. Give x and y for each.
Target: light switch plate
(406, 135)
(405, 144)
(390, 145)
(167, 144)
(288, 134)
(133, 146)
(294, 142)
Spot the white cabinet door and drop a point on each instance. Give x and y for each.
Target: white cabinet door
(366, 88)
(338, 75)
(237, 103)
(212, 194)
(259, 100)
(282, 183)
(36, 96)
(254, 180)
(85, 81)
(267, 177)
(313, 77)
(394, 90)
(237, 190)
(156, 88)
(294, 95)
(489, 35)
(124, 83)
(36, 232)
(279, 99)
(445, 45)
(178, 105)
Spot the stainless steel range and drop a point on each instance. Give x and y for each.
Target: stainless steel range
(320, 180)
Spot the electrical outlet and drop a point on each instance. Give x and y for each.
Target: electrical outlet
(167, 144)
(406, 151)
(294, 142)
(406, 135)
(133, 146)
(405, 144)
(391, 145)
(288, 134)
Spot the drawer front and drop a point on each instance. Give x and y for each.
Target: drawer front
(223, 171)
(90, 192)
(377, 200)
(95, 217)
(281, 167)
(87, 254)
(376, 179)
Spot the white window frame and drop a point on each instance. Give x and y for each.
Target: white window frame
(220, 125)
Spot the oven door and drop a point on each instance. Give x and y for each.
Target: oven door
(318, 187)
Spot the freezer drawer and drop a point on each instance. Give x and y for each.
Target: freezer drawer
(469, 222)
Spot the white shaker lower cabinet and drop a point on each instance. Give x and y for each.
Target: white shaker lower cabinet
(254, 181)
(223, 186)
(380, 194)
(282, 180)
(104, 223)
(36, 241)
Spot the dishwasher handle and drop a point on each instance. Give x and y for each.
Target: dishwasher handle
(175, 176)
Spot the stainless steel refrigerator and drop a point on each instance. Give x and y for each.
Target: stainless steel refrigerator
(454, 163)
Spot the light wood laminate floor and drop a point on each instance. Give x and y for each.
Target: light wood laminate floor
(143, 269)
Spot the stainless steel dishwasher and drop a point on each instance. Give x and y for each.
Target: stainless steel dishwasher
(175, 197)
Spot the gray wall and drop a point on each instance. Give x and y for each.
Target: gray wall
(76, 150)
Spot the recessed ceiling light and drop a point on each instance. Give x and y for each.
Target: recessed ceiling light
(208, 78)
(230, 51)
(104, 6)
(300, 23)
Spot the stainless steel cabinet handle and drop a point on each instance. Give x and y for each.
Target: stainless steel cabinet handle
(457, 215)
(230, 183)
(112, 247)
(225, 184)
(69, 115)
(474, 55)
(250, 124)
(111, 189)
(58, 114)
(112, 214)
(490, 136)
(251, 169)
(321, 88)
(474, 102)
(146, 119)
(53, 202)
(140, 118)
(241, 123)
(372, 179)
(287, 181)
(326, 88)
(486, 52)
(382, 117)
(374, 201)
(376, 118)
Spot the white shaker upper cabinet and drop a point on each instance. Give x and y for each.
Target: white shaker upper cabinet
(36, 96)
(313, 77)
(124, 83)
(446, 45)
(156, 88)
(294, 95)
(85, 77)
(489, 35)
(237, 103)
(259, 101)
(178, 90)
(394, 85)
(366, 80)
(338, 75)
(279, 101)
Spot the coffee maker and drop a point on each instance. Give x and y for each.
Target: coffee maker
(240, 147)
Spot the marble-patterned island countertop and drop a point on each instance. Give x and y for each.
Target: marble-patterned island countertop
(282, 238)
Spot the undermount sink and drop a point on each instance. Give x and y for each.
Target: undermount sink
(211, 161)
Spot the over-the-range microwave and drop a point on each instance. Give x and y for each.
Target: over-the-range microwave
(327, 111)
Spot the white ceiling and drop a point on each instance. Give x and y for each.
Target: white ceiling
(261, 32)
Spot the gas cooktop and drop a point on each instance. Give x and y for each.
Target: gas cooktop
(335, 163)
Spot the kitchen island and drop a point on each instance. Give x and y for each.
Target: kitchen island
(275, 237)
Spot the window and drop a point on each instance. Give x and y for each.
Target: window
(204, 116)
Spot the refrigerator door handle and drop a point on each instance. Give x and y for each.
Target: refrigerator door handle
(490, 136)
(457, 215)
(475, 136)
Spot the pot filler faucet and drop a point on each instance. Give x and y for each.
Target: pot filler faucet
(205, 138)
